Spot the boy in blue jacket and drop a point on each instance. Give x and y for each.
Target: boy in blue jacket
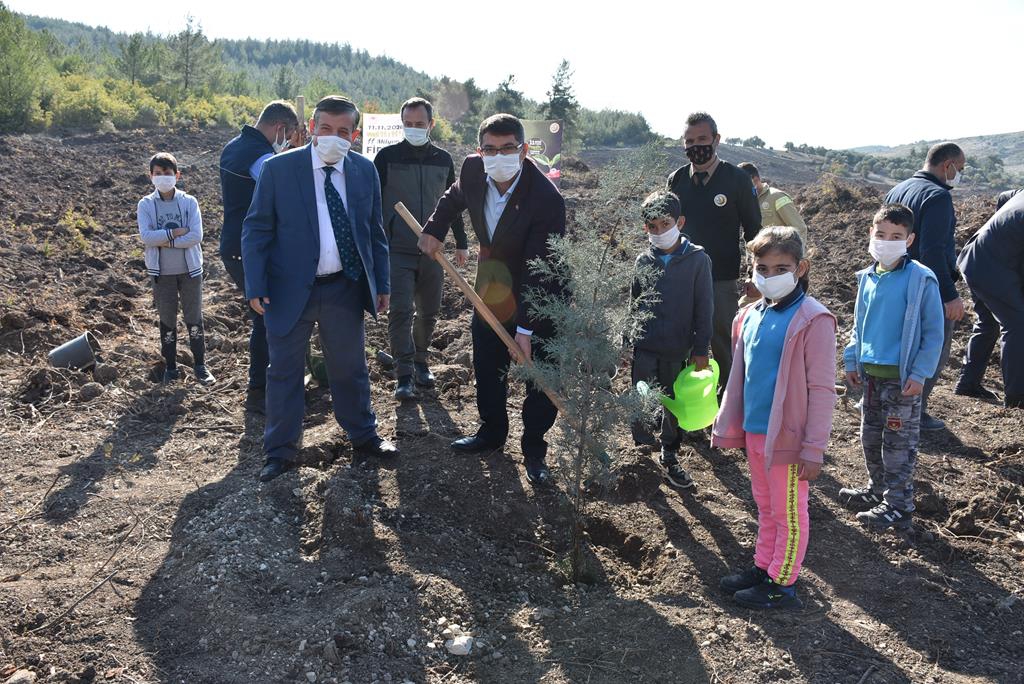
(894, 348)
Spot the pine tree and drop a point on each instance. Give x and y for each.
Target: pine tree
(23, 69)
(194, 58)
(507, 100)
(594, 321)
(562, 102)
(286, 85)
(134, 58)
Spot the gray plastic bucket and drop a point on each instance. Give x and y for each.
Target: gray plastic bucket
(78, 354)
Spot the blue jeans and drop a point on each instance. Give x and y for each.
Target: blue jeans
(337, 309)
(259, 358)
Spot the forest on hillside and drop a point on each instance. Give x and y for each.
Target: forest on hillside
(69, 76)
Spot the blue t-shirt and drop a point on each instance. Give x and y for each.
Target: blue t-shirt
(665, 258)
(884, 301)
(764, 335)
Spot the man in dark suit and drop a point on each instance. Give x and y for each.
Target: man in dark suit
(314, 251)
(514, 209)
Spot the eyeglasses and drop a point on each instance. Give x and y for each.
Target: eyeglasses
(504, 149)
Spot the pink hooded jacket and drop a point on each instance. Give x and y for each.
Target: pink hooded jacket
(805, 393)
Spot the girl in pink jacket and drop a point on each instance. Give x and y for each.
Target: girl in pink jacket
(778, 406)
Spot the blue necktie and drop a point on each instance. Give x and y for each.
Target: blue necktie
(342, 227)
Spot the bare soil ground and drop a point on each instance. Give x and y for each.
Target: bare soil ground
(137, 546)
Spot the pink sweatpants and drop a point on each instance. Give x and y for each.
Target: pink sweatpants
(783, 526)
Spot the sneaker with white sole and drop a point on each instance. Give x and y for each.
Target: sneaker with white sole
(884, 516)
(677, 476)
(859, 498)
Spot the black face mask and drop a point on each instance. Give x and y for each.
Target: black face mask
(700, 154)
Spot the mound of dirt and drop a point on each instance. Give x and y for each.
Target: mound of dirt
(136, 544)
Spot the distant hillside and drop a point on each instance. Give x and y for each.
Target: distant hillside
(85, 58)
(1007, 146)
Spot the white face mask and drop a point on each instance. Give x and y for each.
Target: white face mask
(776, 287)
(417, 137)
(280, 147)
(331, 148)
(164, 183)
(502, 167)
(887, 252)
(956, 179)
(666, 240)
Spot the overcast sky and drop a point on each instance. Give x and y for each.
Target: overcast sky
(824, 73)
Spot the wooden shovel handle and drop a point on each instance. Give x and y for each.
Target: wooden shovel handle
(479, 305)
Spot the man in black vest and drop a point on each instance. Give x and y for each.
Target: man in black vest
(717, 200)
(415, 172)
(240, 162)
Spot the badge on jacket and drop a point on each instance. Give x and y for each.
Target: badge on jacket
(720, 200)
(893, 423)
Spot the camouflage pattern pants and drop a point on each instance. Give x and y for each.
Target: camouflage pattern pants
(890, 429)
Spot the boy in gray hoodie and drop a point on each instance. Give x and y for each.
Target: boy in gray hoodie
(678, 333)
(171, 229)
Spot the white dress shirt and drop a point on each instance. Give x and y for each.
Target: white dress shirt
(330, 260)
(494, 203)
(494, 207)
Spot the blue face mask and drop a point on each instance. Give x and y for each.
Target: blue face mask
(417, 137)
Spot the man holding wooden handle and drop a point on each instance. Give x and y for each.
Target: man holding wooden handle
(514, 209)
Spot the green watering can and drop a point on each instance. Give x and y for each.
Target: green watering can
(696, 397)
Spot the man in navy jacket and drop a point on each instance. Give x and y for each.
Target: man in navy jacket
(240, 164)
(927, 194)
(314, 251)
(992, 262)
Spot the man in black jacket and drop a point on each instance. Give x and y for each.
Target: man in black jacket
(415, 172)
(927, 194)
(276, 130)
(992, 262)
(514, 209)
(717, 199)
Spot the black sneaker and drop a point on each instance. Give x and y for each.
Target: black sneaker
(171, 374)
(769, 596)
(738, 581)
(858, 498)
(405, 391)
(976, 391)
(203, 375)
(423, 376)
(930, 423)
(677, 476)
(537, 474)
(884, 516)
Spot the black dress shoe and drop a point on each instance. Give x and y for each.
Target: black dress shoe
(424, 378)
(474, 444)
(976, 391)
(256, 400)
(1013, 401)
(405, 391)
(274, 467)
(378, 447)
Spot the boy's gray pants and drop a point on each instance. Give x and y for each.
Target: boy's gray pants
(416, 287)
(169, 289)
(890, 430)
(661, 373)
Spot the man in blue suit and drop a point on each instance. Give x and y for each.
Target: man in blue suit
(314, 251)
